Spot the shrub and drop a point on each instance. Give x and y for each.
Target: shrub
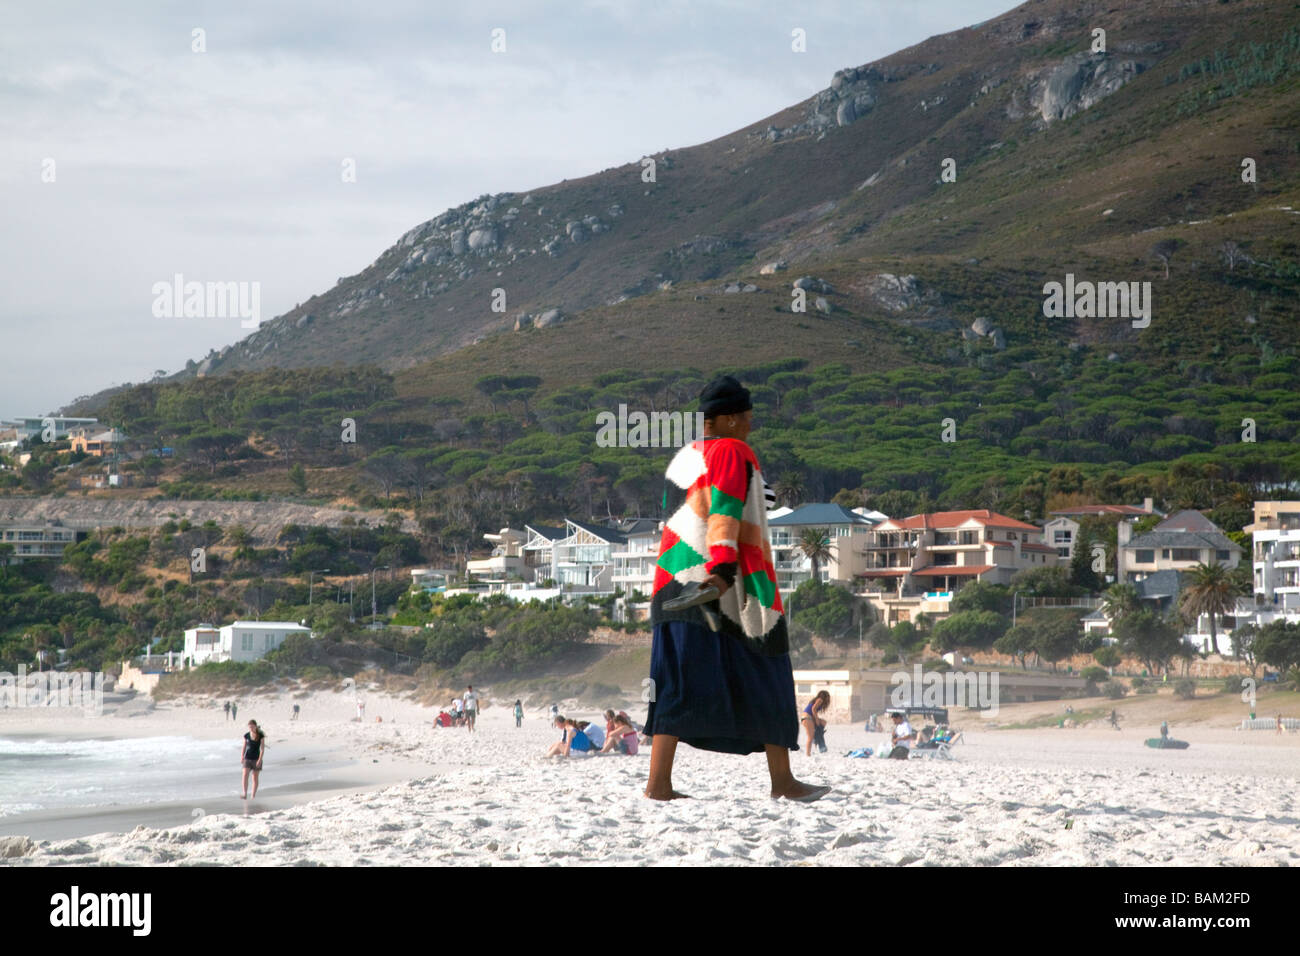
(1185, 688)
(1094, 675)
(1108, 656)
(1113, 689)
(1138, 683)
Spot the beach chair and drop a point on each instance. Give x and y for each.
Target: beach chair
(938, 747)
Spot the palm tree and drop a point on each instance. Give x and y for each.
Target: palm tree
(789, 489)
(1119, 601)
(815, 543)
(1211, 590)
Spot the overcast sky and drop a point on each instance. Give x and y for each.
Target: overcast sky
(225, 165)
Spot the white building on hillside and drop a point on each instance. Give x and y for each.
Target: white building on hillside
(634, 562)
(240, 641)
(1275, 557)
(507, 562)
(29, 426)
(1180, 542)
(846, 536)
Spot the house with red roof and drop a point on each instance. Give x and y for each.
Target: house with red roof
(925, 559)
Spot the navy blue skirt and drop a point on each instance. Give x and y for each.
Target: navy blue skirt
(714, 693)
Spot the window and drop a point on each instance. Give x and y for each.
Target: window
(1061, 537)
(246, 642)
(1187, 554)
(1164, 554)
(1145, 555)
(1221, 555)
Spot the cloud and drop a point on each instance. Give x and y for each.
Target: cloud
(225, 164)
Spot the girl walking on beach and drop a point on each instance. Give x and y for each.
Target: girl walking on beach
(251, 758)
(814, 722)
(720, 673)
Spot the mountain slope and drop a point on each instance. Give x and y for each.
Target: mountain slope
(1065, 160)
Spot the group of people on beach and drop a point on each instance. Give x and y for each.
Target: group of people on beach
(587, 738)
(463, 711)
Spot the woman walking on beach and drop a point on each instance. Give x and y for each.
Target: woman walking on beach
(729, 690)
(251, 758)
(519, 713)
(813, 721)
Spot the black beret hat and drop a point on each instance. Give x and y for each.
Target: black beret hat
(724, 396)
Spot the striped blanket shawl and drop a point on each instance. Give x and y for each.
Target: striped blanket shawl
(720, 527)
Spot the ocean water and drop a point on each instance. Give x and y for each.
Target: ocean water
(48, 773)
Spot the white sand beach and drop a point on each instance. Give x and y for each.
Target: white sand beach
(1021, 798)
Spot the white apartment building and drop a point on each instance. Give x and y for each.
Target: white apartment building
(30, 426)
(507, 563)
(37, 539)
(634, 561)
(1275, 558)
(846, 533)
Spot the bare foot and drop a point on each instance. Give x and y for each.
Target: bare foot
(669, 795)
(243, 796)
(803, 792)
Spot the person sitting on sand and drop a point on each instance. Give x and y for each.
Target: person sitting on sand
(251, 757)
(622, 736)
(902, 737)
(595, 733)
(568, 730)
(580, 740)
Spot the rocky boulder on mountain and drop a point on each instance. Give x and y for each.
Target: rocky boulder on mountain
(895, 293)
(1080, 81)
